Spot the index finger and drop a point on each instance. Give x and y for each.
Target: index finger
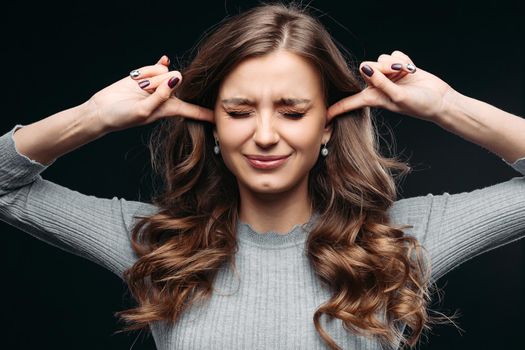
(195, 111)
(347, 104)
(176, 107)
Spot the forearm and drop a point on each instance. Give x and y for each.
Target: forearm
(58, 134)
(500, 132)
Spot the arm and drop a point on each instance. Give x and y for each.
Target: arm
(454, 228)
(420, 94)
(47, 139)
(94, 228)
(120, 106)
(500, 132)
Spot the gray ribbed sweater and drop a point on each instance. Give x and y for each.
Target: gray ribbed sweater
(270, 303)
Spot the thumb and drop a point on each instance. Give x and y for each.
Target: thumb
(164, 60)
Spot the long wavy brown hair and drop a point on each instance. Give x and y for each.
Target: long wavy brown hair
(379, 277)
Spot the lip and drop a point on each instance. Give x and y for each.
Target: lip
(261, 157)
(266, 162)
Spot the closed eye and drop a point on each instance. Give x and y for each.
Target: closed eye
(294, 115)
(236, 114)
(291, 115)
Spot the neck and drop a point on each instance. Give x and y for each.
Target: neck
(277, 212)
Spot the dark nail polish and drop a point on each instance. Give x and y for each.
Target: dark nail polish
(173, 81)
(367, 70)
(144, 83)
(396, 66)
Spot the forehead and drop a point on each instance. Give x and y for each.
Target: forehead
(273, 75)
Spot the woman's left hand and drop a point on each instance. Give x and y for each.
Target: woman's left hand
(413, 92)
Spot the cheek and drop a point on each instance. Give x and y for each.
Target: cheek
(304, 138)
(232, 137)
(232, 134)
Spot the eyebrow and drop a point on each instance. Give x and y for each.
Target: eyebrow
(239, 101)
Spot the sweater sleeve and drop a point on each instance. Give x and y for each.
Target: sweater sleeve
(454, 228)
(518, 165)
(97, 229)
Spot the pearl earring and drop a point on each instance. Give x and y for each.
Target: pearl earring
(216, 148)
(324, 151)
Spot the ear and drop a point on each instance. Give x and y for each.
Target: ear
(327, 133)
(215, 133)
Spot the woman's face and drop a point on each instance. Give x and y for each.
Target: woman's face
(271, 105)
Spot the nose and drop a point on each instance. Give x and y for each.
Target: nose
(265, 134)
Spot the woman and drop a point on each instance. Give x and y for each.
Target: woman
(311, 250)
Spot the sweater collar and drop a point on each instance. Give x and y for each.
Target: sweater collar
(297, 234)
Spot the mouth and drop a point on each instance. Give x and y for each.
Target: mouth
(266, 162)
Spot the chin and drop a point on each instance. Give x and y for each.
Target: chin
(267, 186)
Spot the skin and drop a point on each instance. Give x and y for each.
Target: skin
(275, 199)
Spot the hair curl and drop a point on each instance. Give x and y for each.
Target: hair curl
(378, 276)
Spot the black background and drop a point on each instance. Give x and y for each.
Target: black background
(56, 55)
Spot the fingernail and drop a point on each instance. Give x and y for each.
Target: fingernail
(144, 83)
(134, 73)
(396, 66)
(411, 67)
(367, 70)
(173, 81)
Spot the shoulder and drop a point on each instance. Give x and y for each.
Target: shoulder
(413, 211)
(134, 210)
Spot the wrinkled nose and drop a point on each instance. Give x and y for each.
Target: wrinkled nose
(265, 134)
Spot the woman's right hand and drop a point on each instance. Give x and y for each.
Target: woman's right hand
(124, 104)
